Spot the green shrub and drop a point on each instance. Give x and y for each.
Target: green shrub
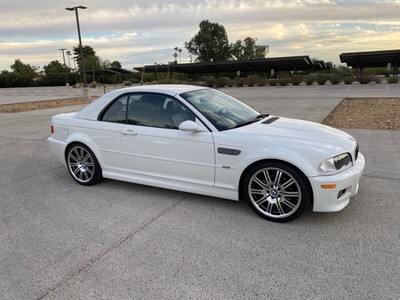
(230, 82)
(251, 80)
(321, 79)
(296, 79)
(334, 79)
(209, 81)
(272, 82)
(239, 82)
(283, 81)
(348, 79)
(393, 80)
(261, 81)
(311, 78)
(127, 83)
(222, 81)
(364, 79)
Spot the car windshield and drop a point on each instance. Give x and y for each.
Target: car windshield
(223, 111)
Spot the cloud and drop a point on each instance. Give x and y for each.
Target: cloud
(148, 30)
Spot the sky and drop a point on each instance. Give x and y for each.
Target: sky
(137, 32)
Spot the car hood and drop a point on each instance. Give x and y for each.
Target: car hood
(296, 134)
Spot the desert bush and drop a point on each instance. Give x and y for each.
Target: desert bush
(392, 79)
(209, 80)
(126, 83)
(221, 81)
(251, 80)
(335, 79)
(364, 79)
(311, 78)
(283, 81)
(261, 81)
(322, 78)
(348, 79)
(239, 82)
(296, 79)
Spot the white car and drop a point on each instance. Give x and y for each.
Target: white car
(202, 141)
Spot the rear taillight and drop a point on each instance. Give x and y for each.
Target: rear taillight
(52, 129)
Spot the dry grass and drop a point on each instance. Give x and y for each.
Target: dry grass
(366, 113)
(37, 105)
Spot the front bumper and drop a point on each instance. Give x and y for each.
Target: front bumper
(347, 182)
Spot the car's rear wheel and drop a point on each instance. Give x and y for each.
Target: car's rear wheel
(276, 191)
(83, 165)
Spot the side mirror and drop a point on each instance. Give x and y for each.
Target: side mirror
(189, 126)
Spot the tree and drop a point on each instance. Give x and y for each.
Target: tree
(116, 64)
(210, 43)
(54, 67)
(92, 61)
(23, 69)
(248, 49)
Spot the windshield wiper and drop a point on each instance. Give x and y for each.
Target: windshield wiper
(256, 119)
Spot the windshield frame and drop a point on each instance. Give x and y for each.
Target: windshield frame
(224, 112)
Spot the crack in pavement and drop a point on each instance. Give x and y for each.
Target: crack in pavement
(112, 247)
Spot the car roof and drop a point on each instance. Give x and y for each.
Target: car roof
(169, 89)
(92, 111)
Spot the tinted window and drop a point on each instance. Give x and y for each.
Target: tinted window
(157, 110)
(117, 111)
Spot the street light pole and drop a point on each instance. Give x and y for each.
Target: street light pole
(65, 67)
(75, 8)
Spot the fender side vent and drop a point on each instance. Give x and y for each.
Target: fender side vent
(270, 120)
(228, 151)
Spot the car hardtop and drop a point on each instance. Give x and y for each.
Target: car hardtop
(92, 111)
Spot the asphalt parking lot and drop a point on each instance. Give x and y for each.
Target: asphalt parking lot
(116, 240)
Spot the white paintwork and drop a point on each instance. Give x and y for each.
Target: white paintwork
(189, 161)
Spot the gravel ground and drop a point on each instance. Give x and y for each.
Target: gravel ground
(366, 113)
(363, 113)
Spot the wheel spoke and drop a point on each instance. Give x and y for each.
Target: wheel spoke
(287, 184)
(288, 203)
(87, 157)
(257, 192)
(261, 200)
(259, 182)
(291, 194)
(278, 177)
(269, 208)
(90, 171)
(76, 171)
(279, 207)
(267, 177)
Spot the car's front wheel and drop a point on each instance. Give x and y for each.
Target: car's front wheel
(276, 191)
(83, 165)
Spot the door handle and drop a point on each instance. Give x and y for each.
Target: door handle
(128, 132)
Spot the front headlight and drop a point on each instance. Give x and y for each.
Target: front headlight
(335, 164)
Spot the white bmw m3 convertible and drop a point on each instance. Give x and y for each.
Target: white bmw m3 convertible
(199, 140)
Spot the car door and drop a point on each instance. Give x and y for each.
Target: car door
(154, 146)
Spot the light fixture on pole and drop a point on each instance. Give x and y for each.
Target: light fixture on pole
(75, 8)
(65, 67)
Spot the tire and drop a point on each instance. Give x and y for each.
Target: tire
(276, 191)
(83, 165)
